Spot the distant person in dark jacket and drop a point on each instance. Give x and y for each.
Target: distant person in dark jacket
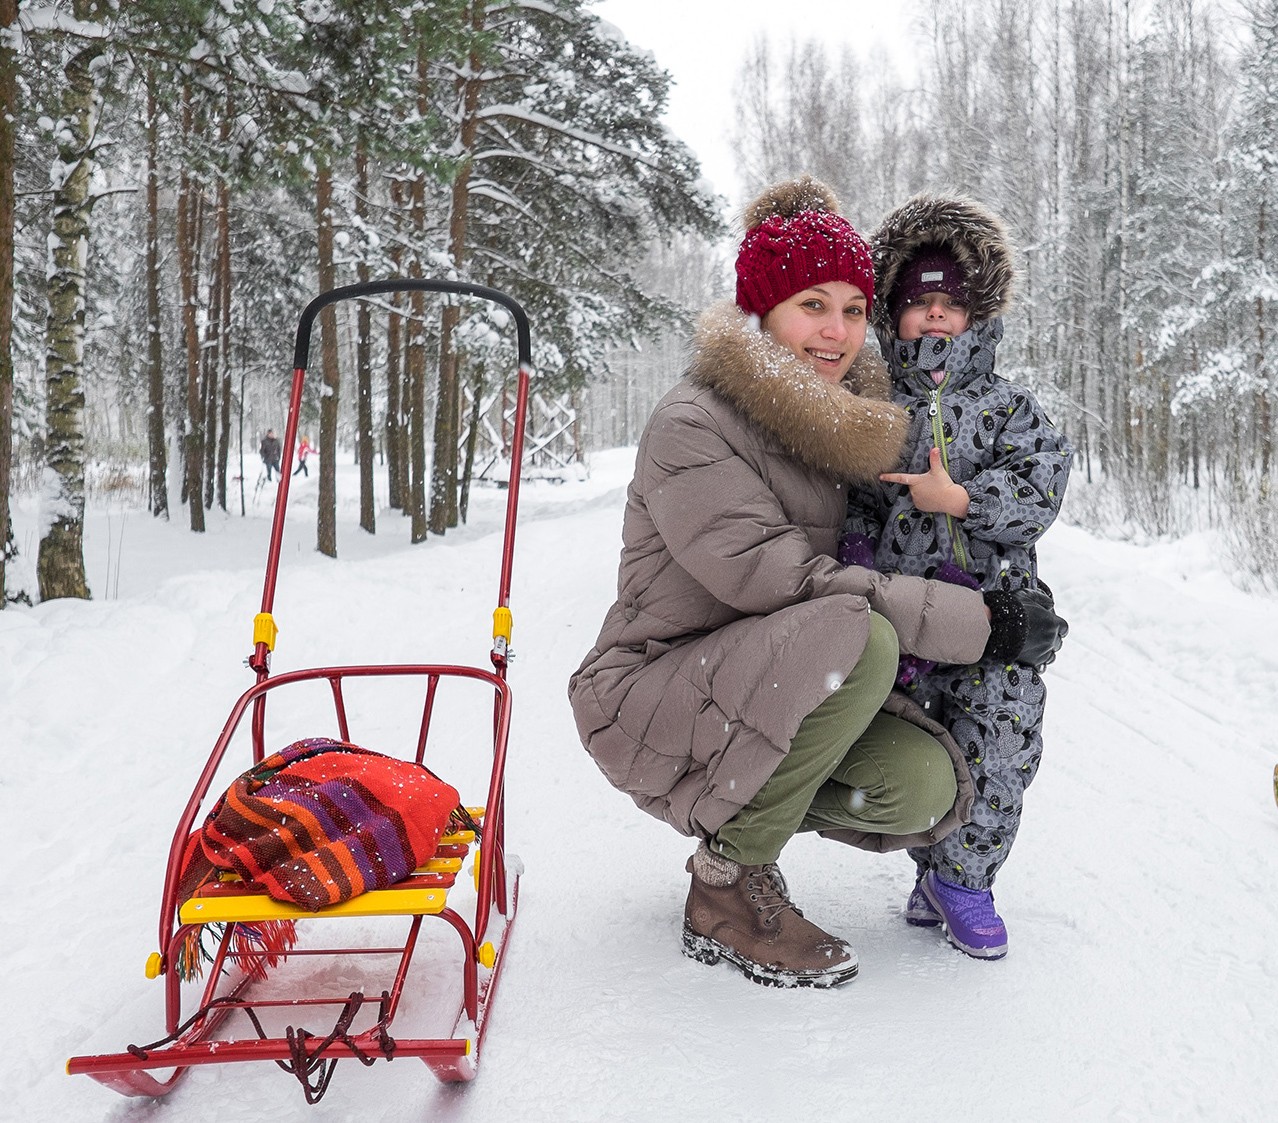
(270, 453)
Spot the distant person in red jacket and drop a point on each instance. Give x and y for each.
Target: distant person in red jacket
(304, 449)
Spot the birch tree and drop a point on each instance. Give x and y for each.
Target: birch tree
(60, 564)
(8, 133)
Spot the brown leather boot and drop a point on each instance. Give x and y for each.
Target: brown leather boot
(743, 914)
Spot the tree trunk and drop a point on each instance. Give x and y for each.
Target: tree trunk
(364, 360)
(443, 480)
(326, 515)
(396, 461)
(224, 364)
(443, 494)
(8, 119)
(415, 362)
(472, 439)
(188, 265)
(1263, 362)
(394, 378)
(209, 367)
(223, 273)
(157, 451)
(60, 564)
(416, 355)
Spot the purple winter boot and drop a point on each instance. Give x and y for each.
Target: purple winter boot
(919, 910)
(971, 924)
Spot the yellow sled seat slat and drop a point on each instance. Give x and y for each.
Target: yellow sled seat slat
(251, 907)
(441, 865)
(459, 838)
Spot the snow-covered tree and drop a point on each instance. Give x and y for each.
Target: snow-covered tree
(1247, 282)
(8, 133)
(1131, 150)
(565, 175)
(60, 565)
(801, 110)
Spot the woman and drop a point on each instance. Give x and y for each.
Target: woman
(740, 688)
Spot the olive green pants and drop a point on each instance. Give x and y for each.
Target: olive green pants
(849, 766)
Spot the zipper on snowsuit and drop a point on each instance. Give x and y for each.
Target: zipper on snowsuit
(938, 439)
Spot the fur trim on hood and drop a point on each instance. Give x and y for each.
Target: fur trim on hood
(975, 236)
(850, 432)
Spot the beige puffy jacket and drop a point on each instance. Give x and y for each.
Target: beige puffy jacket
(733, 620)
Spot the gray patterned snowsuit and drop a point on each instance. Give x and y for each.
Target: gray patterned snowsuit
(996, 441)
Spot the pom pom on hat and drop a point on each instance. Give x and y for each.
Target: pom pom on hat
(795, 239)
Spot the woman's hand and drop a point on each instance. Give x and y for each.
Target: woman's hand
(1024, 627)
(933, 491)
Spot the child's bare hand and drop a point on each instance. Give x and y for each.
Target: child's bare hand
(932, 491)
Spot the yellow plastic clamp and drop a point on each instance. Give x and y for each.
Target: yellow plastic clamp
(264, 630)
(487, 955)
(502, 623)
(154, 965)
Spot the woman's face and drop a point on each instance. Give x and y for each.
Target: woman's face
(824, 325)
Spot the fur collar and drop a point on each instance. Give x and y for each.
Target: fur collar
(850, 432)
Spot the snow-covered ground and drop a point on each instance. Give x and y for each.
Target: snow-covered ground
(1142, 898)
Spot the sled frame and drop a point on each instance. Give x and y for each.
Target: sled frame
(194, 1037)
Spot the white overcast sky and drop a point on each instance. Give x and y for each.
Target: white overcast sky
(702, 43)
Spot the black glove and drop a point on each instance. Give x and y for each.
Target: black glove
(1024, 627)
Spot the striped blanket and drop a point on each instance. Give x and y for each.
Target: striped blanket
(321, 822)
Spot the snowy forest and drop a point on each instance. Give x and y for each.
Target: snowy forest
(1133, 150)
(179, 177)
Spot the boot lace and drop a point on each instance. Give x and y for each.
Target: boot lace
(769, 892)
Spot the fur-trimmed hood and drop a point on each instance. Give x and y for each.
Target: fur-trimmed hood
(974, 235)
(849, 432)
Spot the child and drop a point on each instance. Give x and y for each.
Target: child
(984, 476)
(304, 449)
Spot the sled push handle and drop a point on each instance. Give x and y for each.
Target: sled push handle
(264, 629)
(302, 347)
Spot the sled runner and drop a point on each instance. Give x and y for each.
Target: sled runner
(306, 986)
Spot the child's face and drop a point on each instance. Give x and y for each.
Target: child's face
(823, 325)
(935, 314)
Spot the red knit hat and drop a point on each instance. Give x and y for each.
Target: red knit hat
(933, 270)
(795, 238)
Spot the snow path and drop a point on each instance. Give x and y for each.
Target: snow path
(1143, 977)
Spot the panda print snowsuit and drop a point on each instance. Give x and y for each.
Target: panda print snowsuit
(997, 442)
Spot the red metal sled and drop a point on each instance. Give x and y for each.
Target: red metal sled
(226, 1021)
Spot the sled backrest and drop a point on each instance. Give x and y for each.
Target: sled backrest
(264, 630)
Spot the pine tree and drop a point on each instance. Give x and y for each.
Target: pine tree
(566, 177)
